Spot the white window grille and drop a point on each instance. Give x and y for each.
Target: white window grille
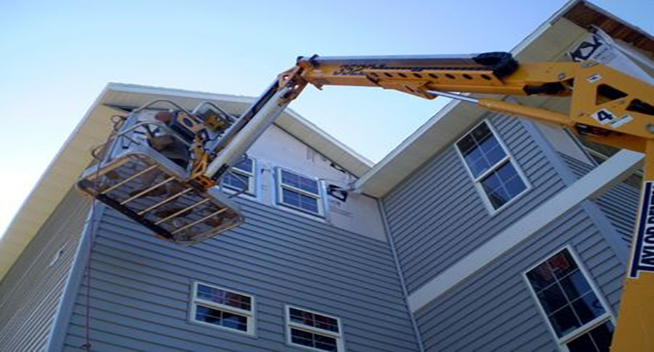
(491, 167)
(241, 177)
(222, 308)
(299, 192)
(576, 314)
(315, 331)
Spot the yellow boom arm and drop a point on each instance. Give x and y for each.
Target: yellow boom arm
(591, 87)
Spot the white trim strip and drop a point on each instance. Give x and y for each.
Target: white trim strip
(594, 183)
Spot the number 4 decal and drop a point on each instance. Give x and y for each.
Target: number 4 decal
(604, 116)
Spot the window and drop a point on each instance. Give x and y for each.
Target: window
(222, 308)
(574, 311)
(597, 339)
(241, 177)
(313, 330)
(299, 192)
(490, 166)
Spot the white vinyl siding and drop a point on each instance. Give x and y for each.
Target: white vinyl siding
(491, 167)
(575, 312)
(299, 192)
(222, 308)
(314, 331)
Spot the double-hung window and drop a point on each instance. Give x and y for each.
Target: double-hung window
(241, 177)
(299, 192)
(494, 172)
(313, 330)
(222, 308)
(576, 314)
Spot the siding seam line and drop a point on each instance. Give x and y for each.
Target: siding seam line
(414, 323)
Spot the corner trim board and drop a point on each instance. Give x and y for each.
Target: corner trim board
(400, 275)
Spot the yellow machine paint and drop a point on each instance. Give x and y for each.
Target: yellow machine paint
(606, 106)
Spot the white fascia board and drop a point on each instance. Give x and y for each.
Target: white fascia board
(592, 185)
(177, 93)
(543, 27)
(429, 139)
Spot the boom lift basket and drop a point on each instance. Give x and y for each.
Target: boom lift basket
(152, 189)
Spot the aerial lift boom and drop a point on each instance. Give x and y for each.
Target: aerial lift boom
(606, 106)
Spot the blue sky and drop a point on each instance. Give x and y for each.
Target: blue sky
(58, 55)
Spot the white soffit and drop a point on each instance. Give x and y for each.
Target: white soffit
(547, 43)
(94, 128)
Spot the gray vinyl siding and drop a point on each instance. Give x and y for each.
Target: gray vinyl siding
(619, 203)
(436, 216)
(493, 310)
(30, 292)
(140, 286)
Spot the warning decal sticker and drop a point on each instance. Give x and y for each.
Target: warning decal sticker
(643, 246)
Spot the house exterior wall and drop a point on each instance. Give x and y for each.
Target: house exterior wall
(494, 310)
(140, 287)
(436, 218)
(341, 265)
(30, 293)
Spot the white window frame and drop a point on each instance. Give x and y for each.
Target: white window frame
(508, 158)
(252, 180)
(320, 197)
(338, 336)
(608, 313)
(250, 315)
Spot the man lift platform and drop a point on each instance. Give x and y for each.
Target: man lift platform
(143, 172)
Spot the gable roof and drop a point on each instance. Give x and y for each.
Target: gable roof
(94, 129)
(547, 43)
